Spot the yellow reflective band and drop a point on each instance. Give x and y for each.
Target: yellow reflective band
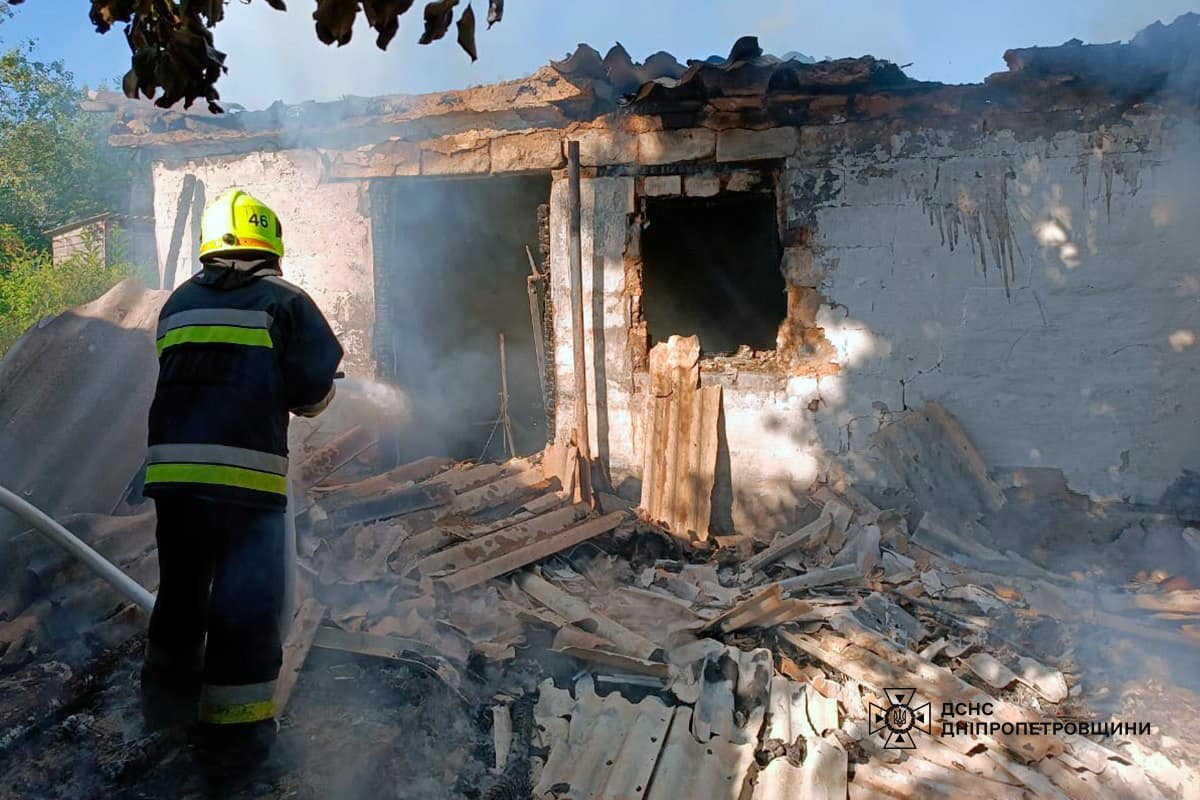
(215, 334)
(216, 475)
(242, 241)
(240, 713)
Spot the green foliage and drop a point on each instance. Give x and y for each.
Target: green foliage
(55, 166)
(32, 286)
(55, 161)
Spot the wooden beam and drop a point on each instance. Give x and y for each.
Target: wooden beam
(497, 544)
(575, 252)
(814, 530)
(537, 316)
(535, 551)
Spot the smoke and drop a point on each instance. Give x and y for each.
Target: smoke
(389, 401)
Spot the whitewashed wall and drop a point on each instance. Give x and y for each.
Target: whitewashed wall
(1045, 291)
(326, 226)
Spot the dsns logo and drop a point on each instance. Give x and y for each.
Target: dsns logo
(900, 718)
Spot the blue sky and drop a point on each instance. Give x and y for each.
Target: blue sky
(272, 55)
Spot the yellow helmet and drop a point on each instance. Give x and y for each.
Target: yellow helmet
(236, 222)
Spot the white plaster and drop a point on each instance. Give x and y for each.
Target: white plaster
(1077, 352)
(326, 231)
(1087, 354)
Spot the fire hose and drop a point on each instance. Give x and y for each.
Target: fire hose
(115, 577)
(102, 567)
(133, 591)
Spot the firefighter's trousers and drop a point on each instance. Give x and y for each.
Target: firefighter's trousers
(216, 620)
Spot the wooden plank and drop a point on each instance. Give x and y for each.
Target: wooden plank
(765, 601)
(702, 462)
(494, 493)
(535, 551)
(553, 457)
(494, 545)
(847, 573)
(401, 500)
(679, 469)
(295, 650)
(575, 281)
(618, 661)
(810, 532)
(533, 286)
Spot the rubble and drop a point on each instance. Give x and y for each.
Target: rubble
(502, 625)
(782, 681)
(773, 680)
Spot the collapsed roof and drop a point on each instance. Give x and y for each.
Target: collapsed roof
(1159, 66)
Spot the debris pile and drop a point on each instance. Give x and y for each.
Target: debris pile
(605, 649)
(852, 655)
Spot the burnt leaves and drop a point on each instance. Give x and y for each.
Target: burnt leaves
(466, 32)
(174, 58)
(438, 16)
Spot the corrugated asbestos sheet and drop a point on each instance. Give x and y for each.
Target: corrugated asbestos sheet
(74, 394)
(616, 750)
(610, 747)
(712, 770)
(681, 440)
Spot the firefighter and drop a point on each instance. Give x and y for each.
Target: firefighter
(239, 348)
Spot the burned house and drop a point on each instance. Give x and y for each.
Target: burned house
(845, 241)
(881, 329)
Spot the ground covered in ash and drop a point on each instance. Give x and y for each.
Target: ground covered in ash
(356, 727)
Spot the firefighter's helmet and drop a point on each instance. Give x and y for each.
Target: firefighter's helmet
(236, 222)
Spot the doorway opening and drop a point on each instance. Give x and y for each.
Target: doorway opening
(450, 277)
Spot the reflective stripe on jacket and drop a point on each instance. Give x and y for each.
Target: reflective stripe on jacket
(237, 350)
(235, 705)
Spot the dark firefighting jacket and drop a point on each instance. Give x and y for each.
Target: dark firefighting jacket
(239, 347)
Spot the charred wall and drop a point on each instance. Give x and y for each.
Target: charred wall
(1029, 266)
(1038, 282)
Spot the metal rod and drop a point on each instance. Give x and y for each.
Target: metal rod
(508, 433)
(575, 251)
(534, 286)
(62, 537)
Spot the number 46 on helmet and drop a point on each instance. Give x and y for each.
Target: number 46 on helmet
(237, 222)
